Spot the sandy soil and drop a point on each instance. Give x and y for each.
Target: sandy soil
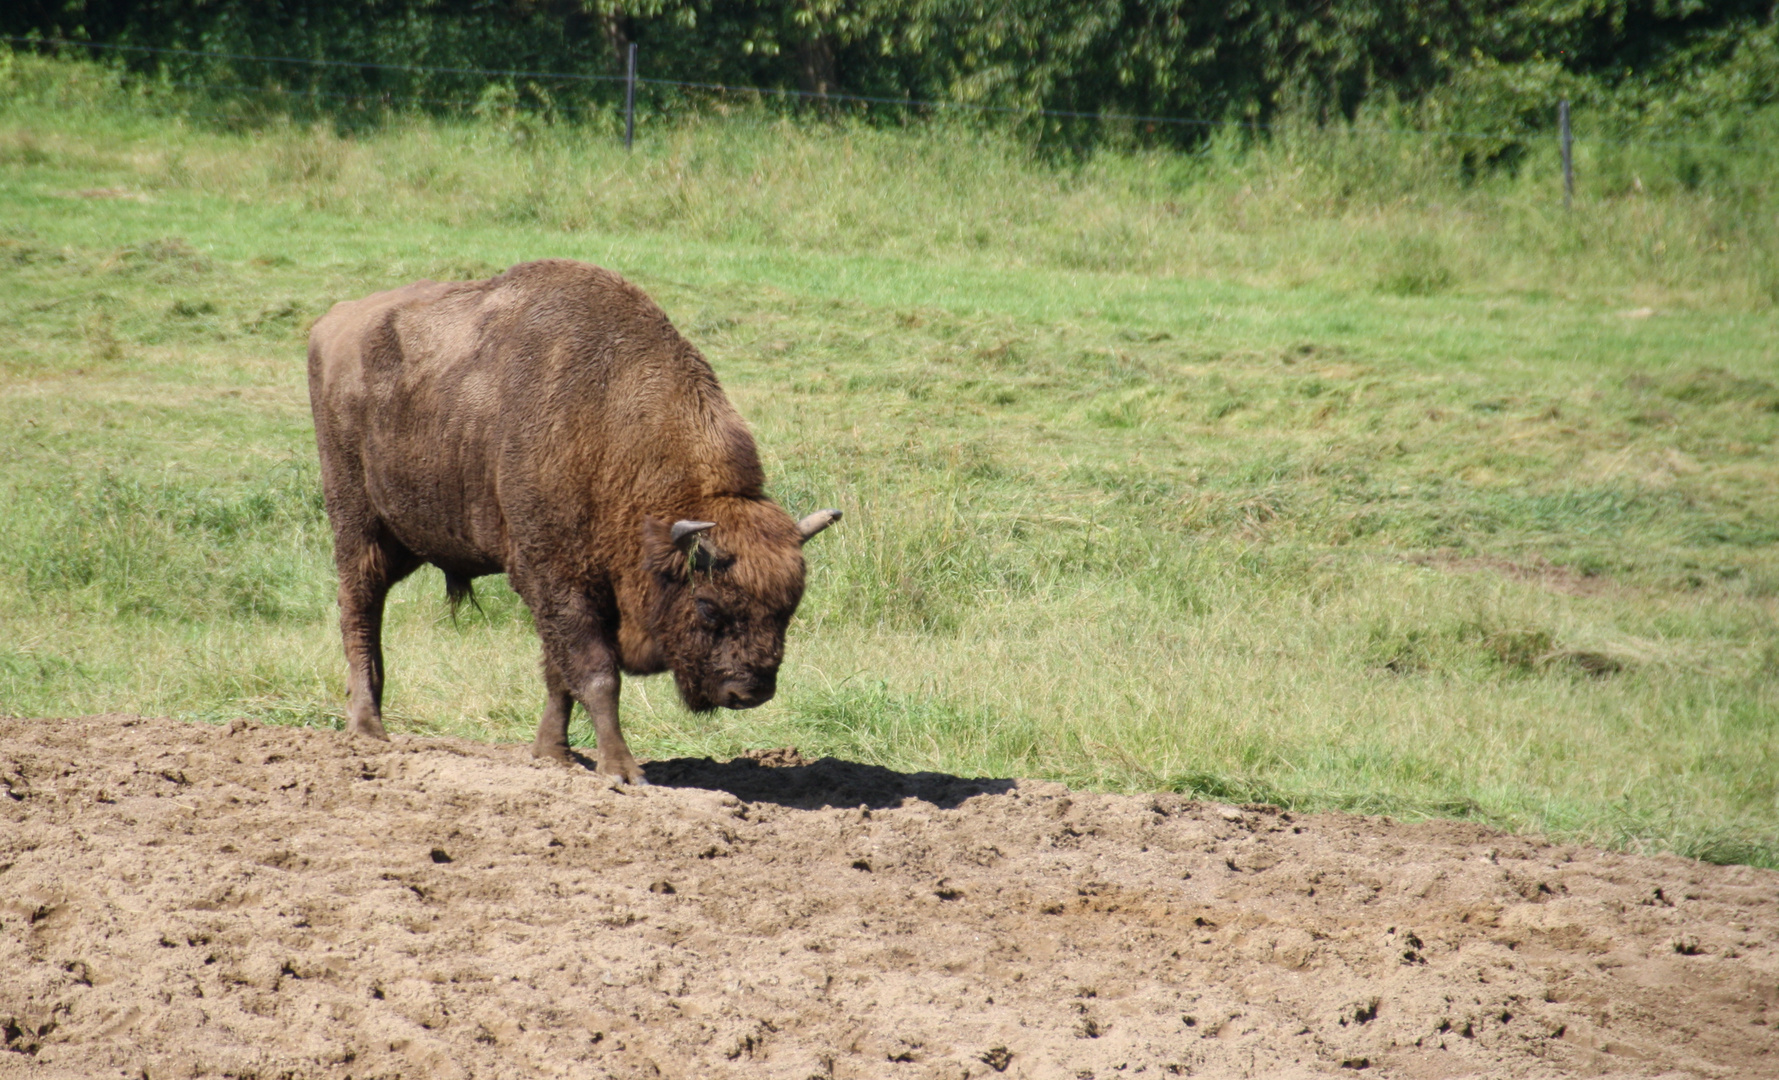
(181, 900)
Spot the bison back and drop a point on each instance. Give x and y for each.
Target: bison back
(482, 422)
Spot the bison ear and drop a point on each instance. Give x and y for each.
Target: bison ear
(669, 550)
(816, 522)
(688, 539)
(684, 534)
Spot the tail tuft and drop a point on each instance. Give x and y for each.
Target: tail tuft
(458, 589)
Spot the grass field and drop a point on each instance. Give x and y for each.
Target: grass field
(1308, 474)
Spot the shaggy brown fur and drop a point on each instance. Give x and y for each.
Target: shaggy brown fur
(550, 424)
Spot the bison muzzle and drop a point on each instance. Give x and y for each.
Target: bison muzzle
(550, 424)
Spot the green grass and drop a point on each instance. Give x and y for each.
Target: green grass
(1208, 474)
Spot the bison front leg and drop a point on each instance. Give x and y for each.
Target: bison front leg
(600, 692)
(578, 664)
(552, 730)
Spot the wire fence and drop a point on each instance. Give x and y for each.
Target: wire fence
(632, 79)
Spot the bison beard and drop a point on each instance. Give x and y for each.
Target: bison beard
(550, 424)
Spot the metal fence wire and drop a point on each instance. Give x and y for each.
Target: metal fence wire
(632, 79)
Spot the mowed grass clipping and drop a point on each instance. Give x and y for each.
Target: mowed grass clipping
(1197, 474)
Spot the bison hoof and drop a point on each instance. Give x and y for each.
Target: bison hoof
(628, 772)
(370, 729)
(561, 755)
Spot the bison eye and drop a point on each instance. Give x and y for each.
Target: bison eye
(710, 613)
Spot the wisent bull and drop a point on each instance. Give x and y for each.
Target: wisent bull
(550, 424)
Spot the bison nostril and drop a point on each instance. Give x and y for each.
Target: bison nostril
(746, 695)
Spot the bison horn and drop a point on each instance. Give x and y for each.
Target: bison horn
(685, 533)
(816, 522)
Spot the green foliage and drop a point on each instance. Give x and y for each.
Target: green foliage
(1638, 67)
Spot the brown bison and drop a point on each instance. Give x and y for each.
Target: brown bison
(550, 424)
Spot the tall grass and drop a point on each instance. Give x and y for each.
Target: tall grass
(1312, 470)
(1374, 204)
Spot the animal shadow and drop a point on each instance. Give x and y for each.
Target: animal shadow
(785, 778)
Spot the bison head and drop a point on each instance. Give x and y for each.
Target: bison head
(725, 594)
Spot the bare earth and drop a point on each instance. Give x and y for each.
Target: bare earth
(181, 900)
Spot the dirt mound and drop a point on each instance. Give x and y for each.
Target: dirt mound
(182, 900)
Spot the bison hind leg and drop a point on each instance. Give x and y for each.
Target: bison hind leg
(368, 566)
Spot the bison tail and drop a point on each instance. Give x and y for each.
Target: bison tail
(458, 589)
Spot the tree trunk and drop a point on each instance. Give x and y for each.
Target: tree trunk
(815, 66)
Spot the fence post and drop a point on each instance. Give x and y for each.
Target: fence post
(1568, 155)
(630, 99)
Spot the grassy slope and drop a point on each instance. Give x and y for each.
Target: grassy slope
(1154, 477)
